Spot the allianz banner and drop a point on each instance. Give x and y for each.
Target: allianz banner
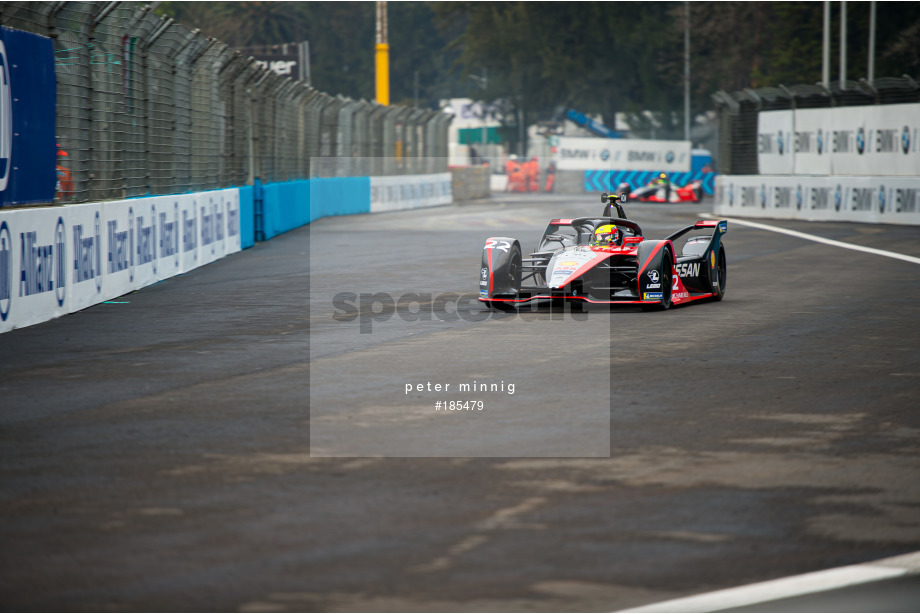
(28, 94)
(58, 260)
(876, 141)
(587, 154)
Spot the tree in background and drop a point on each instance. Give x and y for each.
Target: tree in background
(600, 58)
(759, 44)
(341, 36)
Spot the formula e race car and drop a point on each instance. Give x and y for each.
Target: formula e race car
(606, 259)
(656, 192)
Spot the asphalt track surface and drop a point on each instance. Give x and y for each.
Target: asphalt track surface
(155, 455)
(894, 595)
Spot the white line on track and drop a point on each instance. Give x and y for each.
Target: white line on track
(792, 586)
(816, 239)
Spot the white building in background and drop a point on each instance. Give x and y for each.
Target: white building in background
(472, 122)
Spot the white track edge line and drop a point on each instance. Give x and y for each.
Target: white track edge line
(815, 238)
(783, 588)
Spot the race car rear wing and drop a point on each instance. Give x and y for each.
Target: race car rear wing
(721, 225)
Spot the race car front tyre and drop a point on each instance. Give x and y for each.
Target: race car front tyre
(500, 306)
(667, 271)
(515, 272)
(666, 275)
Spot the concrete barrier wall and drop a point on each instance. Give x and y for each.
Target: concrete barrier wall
(247, 220)
(851, 141)
(58, 260)
(470, 183)
(339, 196)
(881, 200)
(569, 182)
(284, 206)
(291, 204)
(399, 192)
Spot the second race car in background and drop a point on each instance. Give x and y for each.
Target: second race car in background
(663, 191)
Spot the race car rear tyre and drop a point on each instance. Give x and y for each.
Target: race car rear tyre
(721, 270)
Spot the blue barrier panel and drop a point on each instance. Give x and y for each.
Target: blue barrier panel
(339, 196)
(285, 206)
(28, 91)
(608, 181)
(247, 218)
(291, 204)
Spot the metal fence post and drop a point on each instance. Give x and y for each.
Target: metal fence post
(258, 197)
(255, 158)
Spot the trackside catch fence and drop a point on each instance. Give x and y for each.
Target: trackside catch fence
(146, 105)
(738, 111)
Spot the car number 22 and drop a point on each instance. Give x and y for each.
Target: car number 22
(493, 244)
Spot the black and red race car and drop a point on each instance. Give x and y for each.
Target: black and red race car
(606, 259)
(666, 192)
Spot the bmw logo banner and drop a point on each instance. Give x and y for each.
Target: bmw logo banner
(58, 260)
(28, 93)
(889, 200)
(859, 141)
(626, 155)
(775, 130)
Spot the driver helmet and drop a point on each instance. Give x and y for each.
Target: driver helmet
(606, 235)
(663, 177)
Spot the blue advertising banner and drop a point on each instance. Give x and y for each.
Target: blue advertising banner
(608, 181)
(28, 94)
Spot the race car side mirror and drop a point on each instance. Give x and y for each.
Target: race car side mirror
(623, 197)
(604, 198)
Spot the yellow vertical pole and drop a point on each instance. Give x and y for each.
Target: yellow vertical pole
(382, 56)
(383, 73)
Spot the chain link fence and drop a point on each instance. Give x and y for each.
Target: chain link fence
(147, 106)
(738, 111)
